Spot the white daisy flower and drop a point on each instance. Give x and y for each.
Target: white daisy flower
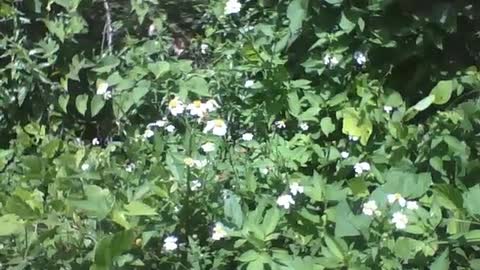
(208, 147)
(148, 133)
(170, 128)
(361, 167)
(344, 154)
(303, 126)
(232, 6)
(190, 162)
(330, 60)
(95, 141)
(397, 197)
(249, 83)
(176, 106)
(195, 185)
(264, 171)
(285, 201)
(370, 208)
(400, 220)
(211, 105)
(412, 205)
(197, 108)
(151, 30)
(203, 48)
(102, 87)
(130, 167)
(85, 167)
(218, 127)
(219, 231)
(360, 58)
(247, 136)
(280, 124)
(353, 138)
(387, 109)
(170, 243)
(295, 188)
(158, 123)
(200, 164)
(107, 95)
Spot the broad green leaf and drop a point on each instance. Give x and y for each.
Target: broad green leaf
(407, 183)
(448, 196)
(159, 68)
(10, 224)
(297, 13)
(96, 104)
(248, 256)
(137, 208)
(63, 102)
(196, 85)
(233, 210)
(442, 262)
(443, 91)
(294, 103)
(346, 24)
(270, 221)
(335, 246)
(81, 103)
(327, 126)
(471, 200)
(98, 203)
(107, 64)
(424, 103)
(355, 125)
(112, 246)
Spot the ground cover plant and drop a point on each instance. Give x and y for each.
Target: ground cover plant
(239, 134)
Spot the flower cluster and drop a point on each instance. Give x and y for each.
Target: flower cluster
(361, 167)
(286, 200)
(399, 218)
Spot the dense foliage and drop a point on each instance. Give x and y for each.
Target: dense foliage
(256, 134)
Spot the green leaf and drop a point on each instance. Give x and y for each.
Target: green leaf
(96, 104)
(107, 64)
(112, 246)
(63, 102)
(98, 203)
(443, 91)
(233, 210)
(137, 208)
(159, 68)
(408, 184)
(327, 126)
(196, 85)
(294, 103)
(81, 103)
(424, 103)
(471, 200)
(335, 247)
(442, 262)
(270, 221)
(355, 125)
(297, 13)
(334, 2)
(248, 256)
(10, 224)
(346, 24)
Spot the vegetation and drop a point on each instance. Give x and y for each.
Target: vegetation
(250, 134)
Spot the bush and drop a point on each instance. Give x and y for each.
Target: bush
(265, 134)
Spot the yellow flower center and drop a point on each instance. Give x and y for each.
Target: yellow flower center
(173, 103)
(219, 123)
(188, 161)
(197, 103)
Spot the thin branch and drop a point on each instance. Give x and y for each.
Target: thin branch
(108, 30)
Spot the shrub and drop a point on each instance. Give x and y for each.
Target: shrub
(263, 134)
